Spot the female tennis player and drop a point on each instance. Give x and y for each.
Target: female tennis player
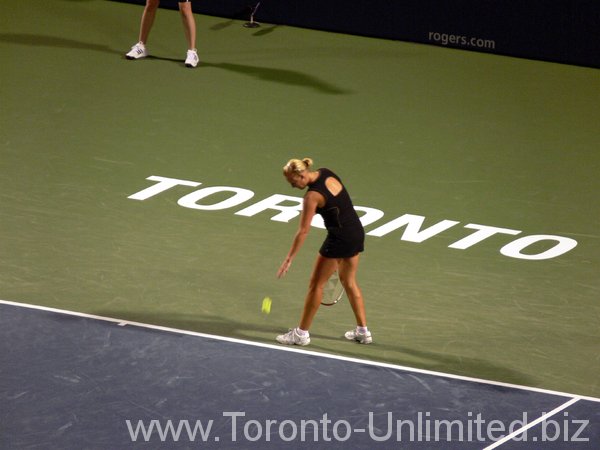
(189, 27)
(327, 196)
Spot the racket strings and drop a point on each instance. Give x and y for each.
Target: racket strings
(333, 290)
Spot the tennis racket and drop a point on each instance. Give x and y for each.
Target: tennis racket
(333, 290)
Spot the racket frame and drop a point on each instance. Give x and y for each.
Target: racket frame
(333, 290)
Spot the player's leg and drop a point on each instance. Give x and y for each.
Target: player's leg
(189, 23)
(347, 272)
(139, 50)
(189, 27)
(148, 19)
(322, 271)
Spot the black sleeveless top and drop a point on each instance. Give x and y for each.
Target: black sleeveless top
(345, 233)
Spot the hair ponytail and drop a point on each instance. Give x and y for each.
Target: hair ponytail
(297, 165)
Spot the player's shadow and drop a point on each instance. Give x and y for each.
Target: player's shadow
(217, 325)
(222, 25)
(433, 361)
(397, 355)
(260, 32)
(283, 76)
(164, 58)
(269, 74)
(289, 77)
(36, 40)
(265, 30)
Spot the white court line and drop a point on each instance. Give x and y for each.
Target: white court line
(283, 348)
(540, 419)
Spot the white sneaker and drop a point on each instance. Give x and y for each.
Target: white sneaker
(137, 51)
(293, 338)
(361, 338)
(192, 59)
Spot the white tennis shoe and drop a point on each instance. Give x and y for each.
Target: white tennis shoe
(192, 59)
(137, 51)
(361, 338)
(293, 338)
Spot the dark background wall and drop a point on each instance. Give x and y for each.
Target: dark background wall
(564, 31)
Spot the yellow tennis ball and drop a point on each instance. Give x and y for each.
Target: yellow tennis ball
(266, 305)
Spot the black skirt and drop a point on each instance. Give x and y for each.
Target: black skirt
(339, 244)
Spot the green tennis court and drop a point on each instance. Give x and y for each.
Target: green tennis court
(462, 141)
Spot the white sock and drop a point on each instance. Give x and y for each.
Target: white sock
(301, 332)
(361, 330)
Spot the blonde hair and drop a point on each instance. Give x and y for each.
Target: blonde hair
(297, 165)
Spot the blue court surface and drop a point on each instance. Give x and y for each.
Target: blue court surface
(76, 381)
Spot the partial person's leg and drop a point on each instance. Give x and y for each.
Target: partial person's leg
(148, 19)
(139, 50)
(189, 23)
(347, 271)
(322, 271)
(189, 26)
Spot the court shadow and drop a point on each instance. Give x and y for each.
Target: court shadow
(264, 31)
(227, 23)
(435, 362)
(164, 58)
(222, 25)
(288, 77)
(35, 40)
(396, 355)
(216, 325)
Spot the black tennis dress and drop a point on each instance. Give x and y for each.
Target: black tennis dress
(345, 233)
